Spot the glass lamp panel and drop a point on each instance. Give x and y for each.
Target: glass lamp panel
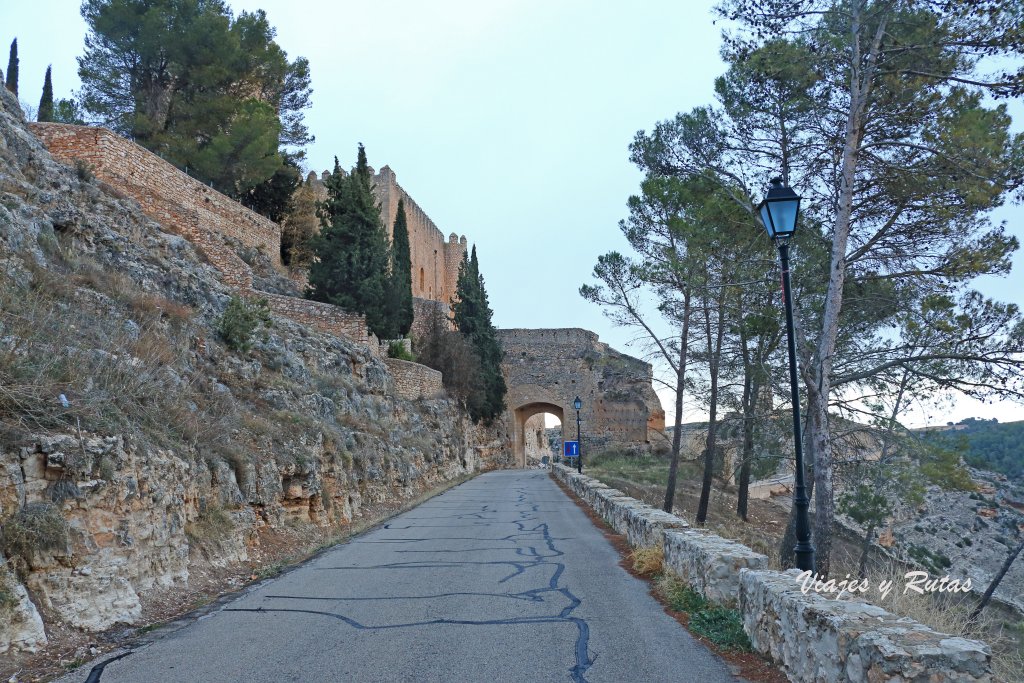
(766, 219)
(784, 215)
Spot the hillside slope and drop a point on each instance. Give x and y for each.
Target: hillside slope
(168, 453)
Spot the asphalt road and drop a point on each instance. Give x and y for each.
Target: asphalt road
(502, 578)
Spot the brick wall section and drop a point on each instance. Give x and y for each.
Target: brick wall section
(123, 163)
(203, 216)
(325, 317)
(414, 381)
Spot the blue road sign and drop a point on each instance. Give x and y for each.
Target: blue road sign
(572, 449)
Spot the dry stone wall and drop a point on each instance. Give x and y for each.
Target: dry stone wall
(414, 381)
(815, 638)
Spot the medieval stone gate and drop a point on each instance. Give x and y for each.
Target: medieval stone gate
(546, 369)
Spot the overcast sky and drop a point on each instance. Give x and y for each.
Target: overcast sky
(507, 121)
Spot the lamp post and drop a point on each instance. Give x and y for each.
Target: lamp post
(779, 211)
(578, 404)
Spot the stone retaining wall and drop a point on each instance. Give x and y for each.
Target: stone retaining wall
(816, 639)
(414, 381)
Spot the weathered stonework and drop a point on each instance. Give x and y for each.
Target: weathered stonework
(820, 639)
(435, 260)
(546, 369)
(710, 564)
(414, 381)
(815, 638)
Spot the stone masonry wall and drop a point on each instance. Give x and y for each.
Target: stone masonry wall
(813, 637)
(435, 261)
(620, 407)
(414, 381)
(198, 213)
(123, 163)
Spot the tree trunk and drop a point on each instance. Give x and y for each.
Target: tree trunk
(673, 468)
(995, 583)
(865, 548)
(711, 443)
(750, 390)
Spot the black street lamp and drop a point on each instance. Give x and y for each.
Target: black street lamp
(779, 212)
(578, 404)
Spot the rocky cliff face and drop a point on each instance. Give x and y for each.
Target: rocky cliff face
(135, 447)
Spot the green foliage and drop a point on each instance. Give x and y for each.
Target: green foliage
(473, 319)
(985, 444)
(68, 111)
(210, 91)
(400, 280)
(722, 626)
(450, 353)
(352, 254)
(35, 528)
(933, 562)
(273, 197)
(682, 597)
(240, 321)
(12, 68)
(396, 349)
(46, 101)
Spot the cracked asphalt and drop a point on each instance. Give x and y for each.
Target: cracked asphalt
(501, 578)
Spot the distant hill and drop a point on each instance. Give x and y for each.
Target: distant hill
(988, 444)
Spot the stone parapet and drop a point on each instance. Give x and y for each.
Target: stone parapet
(640, 523)
(820, 639)
(815, 638)
(414, 381)
(324, 317)
(710, 564)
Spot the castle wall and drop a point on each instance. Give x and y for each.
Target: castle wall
(413, 381)
(620, 407)
(435, 260)
(156, 183)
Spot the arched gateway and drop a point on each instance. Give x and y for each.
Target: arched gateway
(546, 369)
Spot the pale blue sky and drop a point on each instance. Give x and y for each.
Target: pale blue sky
(507, 121)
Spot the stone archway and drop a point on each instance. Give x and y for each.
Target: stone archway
(523, 414)
(524, 402)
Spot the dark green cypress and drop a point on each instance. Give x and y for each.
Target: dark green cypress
(473, 317)
(351, 266)
(12, 68)
(46, 101)
(400, 306)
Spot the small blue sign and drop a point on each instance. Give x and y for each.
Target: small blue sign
(572, 449)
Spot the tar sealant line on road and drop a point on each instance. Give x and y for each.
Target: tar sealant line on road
(583, 660)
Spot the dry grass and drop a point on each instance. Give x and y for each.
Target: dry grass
(649, 561)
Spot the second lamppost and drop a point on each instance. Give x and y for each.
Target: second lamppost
(578, 404)
(779, 212)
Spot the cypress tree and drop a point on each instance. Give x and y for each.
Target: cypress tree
(12, 68)
(351, 251)
(46, 101)
(400, 285)
(473, 318)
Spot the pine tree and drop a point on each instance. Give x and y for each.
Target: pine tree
(351, 251)
(12, 68)
(400, 284)
(46, 101)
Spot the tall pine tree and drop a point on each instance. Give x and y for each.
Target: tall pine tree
(400, 283)
(46, 101)
(473, 318)
(12, 68)
(351, 265)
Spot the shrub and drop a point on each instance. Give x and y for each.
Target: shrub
(84, 171)
(396, 349)
(37, 527)
(722, 626)
(680, 596)
(648, 561)
(240, 321)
